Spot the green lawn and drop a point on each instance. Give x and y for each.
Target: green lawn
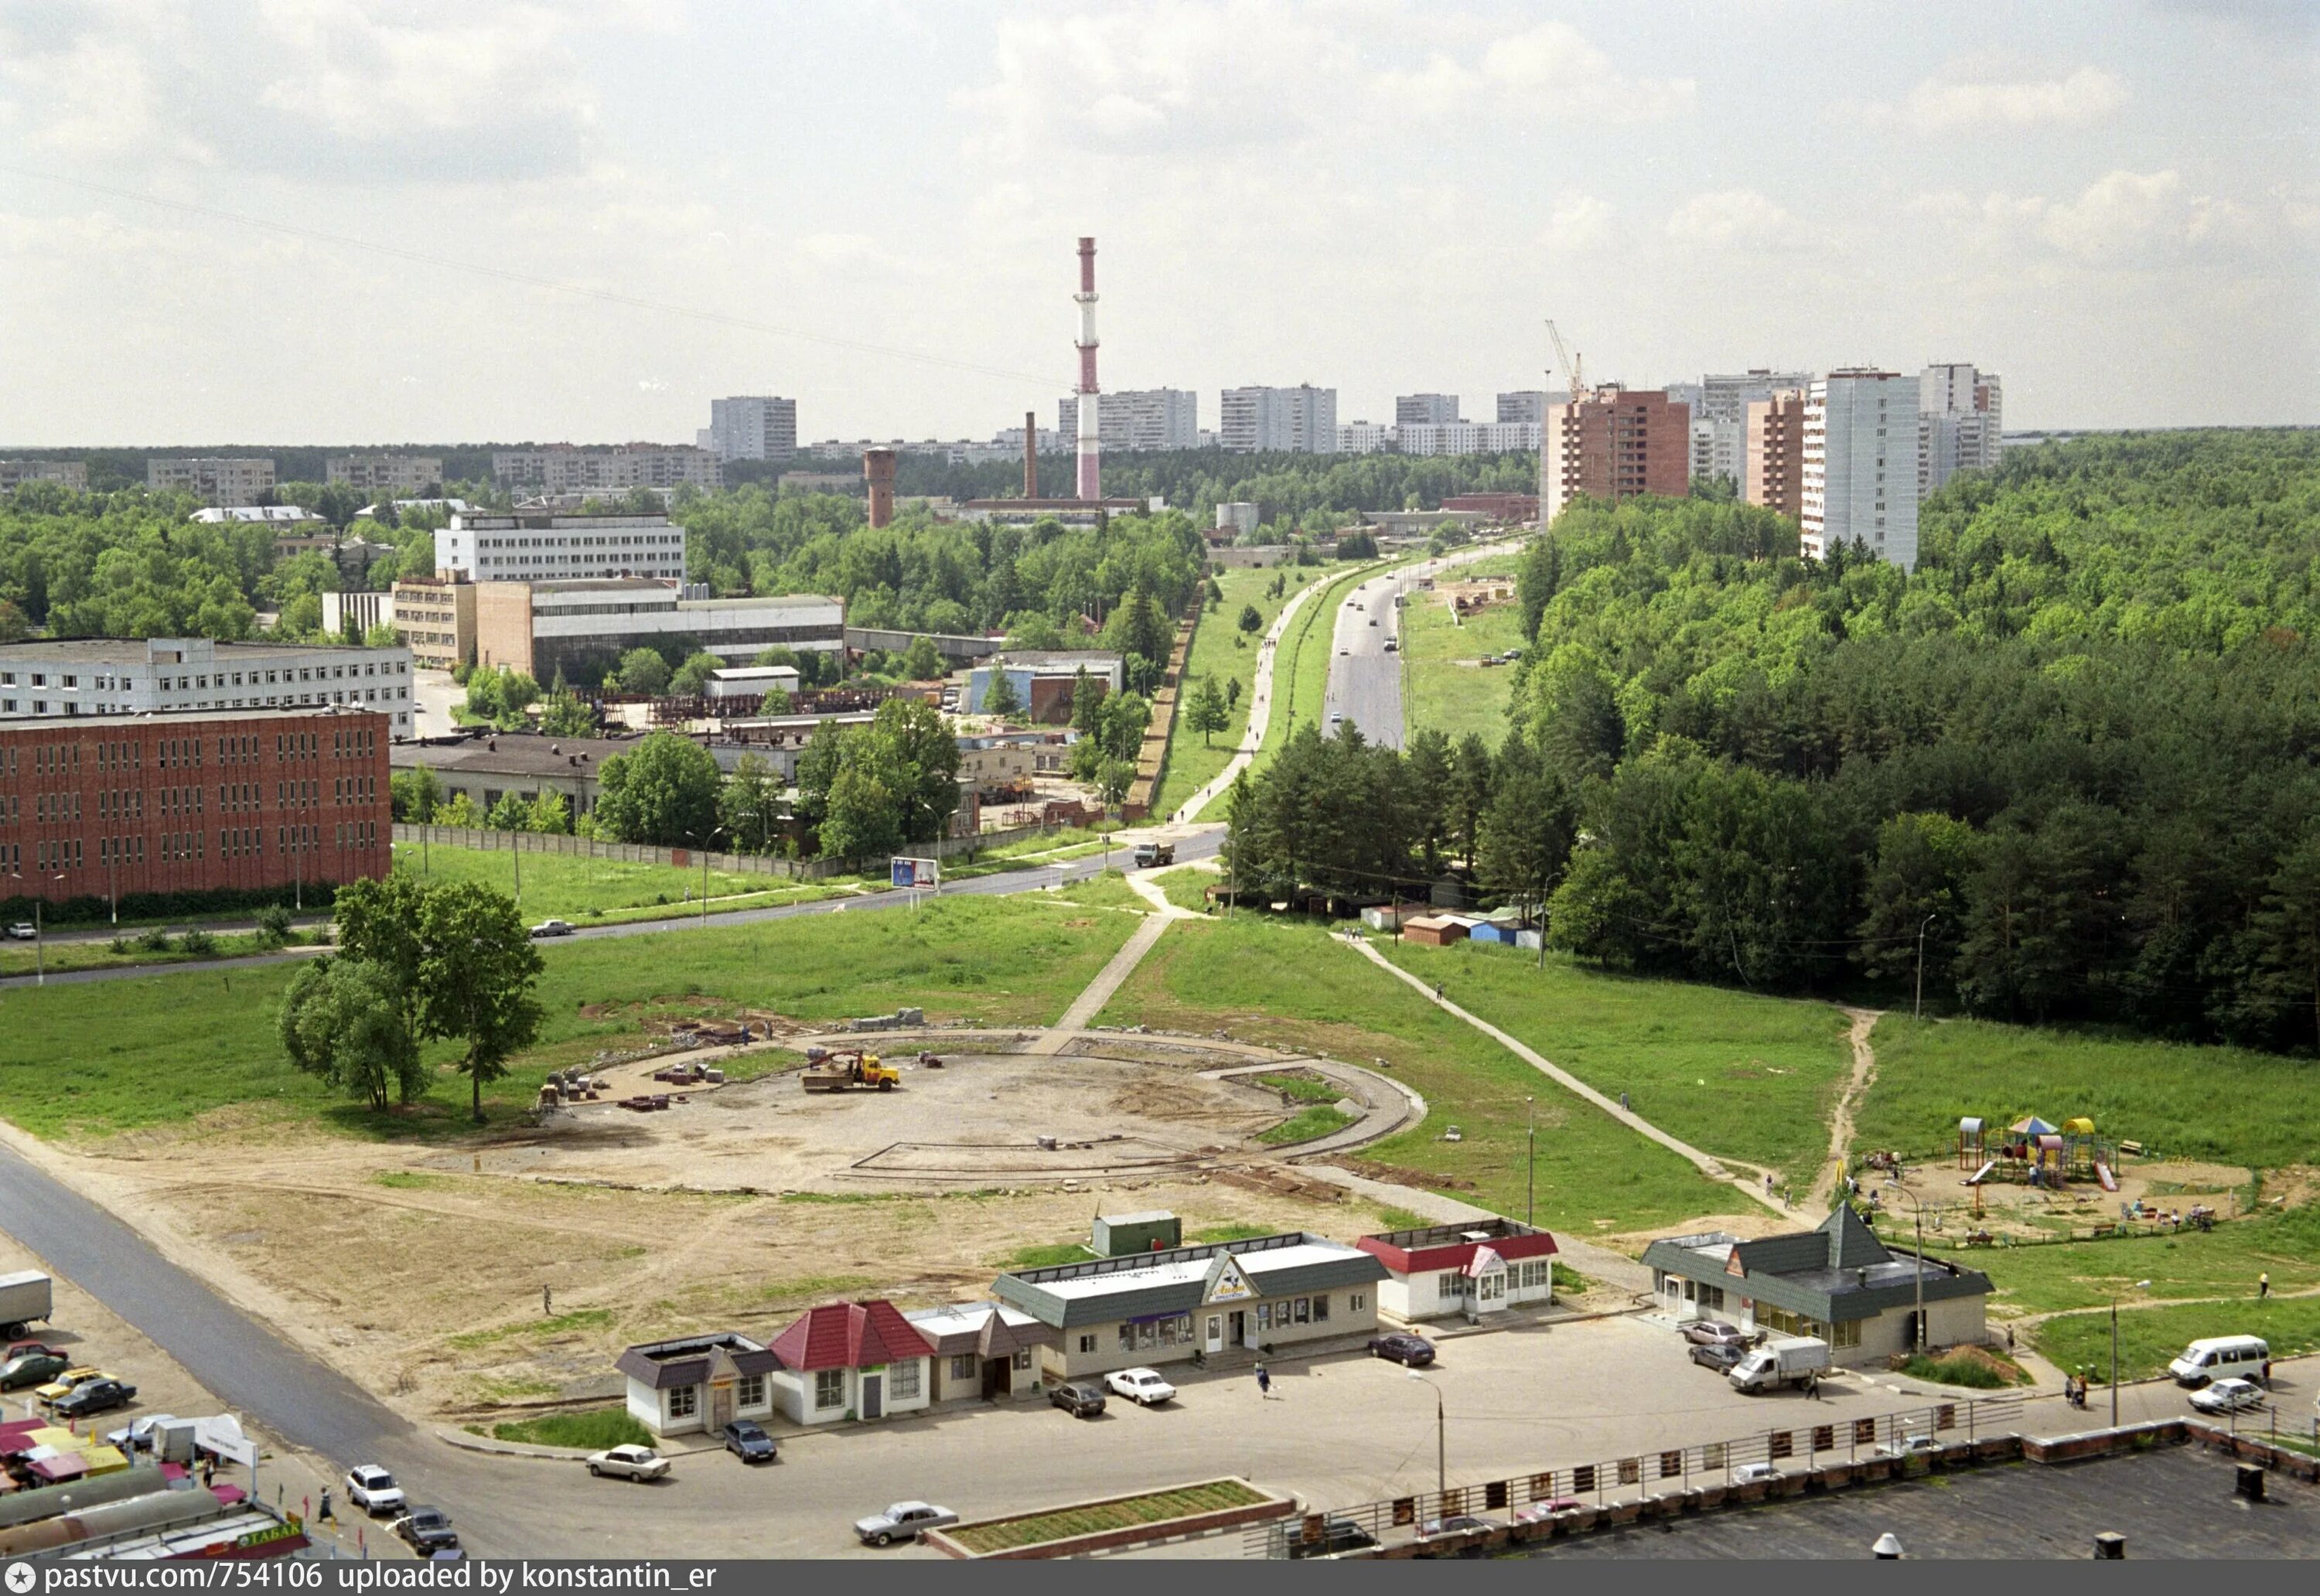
(1742, 1076)
(2219, 1263)
(17, 958)
(1438, 694)
(1154, 1508)
(595, 1430)
(580, 889)
(1187, 886)
(1283, 984)
(95, 1059)
(2150, 1338)
(1222, 650)
(2207, 1103)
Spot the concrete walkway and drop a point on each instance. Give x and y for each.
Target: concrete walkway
(1260, 703)
(1098, 992)
(1713, 1168)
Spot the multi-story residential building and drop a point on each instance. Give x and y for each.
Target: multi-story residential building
(435, 616)
(386, 475)
(1961, 412)
(1467, 437)
(751, 427)
(1530, 405)
(1366, 438)
(1425, 410)
(1727, 397)
(561, 469)
(1716, 448)
(141, 676)
(215, 480)
(193, 800)
(582, 627)
(1773, 475)
(15, 473)
(361, 607)
(545, 547)
(1132, 419)
(1861, 465)
(1302, 419)
(1611, 444)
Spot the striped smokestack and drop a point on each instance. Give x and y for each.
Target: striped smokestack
(1030, 454)
(1091, 483)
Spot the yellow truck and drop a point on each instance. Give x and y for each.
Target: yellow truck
(847, 1071)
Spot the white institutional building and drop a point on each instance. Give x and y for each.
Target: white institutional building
(1860, 464)
(526, 547)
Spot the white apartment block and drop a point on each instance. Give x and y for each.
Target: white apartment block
(750, 427)
(1861, 465)
(1727, 397)
(1716, 447)
(1366, 438)
(1133, 420)
(531, 547)
(15, 473)
(1960, 413)
(561, 469)
(1302, 419)
(1530, 405)
(1425, 410)
(385, 475)
(364, 609)
(1468, 438)
(213, 480)
(128, 676)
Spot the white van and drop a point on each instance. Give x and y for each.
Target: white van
(2215, 1357)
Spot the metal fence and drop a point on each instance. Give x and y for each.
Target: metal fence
(636, 853)
(1797, 1448)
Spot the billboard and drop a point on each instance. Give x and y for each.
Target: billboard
(922, 873)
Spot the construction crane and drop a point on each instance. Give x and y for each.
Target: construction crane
(1573, 370)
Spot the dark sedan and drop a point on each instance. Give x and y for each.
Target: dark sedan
(32, 1368)
(93, 1396)
(1081, 1398)
(1718, 1357)
(1412, 1352)
(749, 1442)
(1712, 1332)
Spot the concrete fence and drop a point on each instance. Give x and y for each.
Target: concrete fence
(637, 853)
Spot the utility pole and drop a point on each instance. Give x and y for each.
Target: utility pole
(1530, 1166)
(1441, 1442)
(1918, 1010)
(2114, 1353)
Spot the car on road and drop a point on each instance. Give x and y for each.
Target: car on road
(631, 1462)
(1373, 621)
(23, 930)
(1392, 647)
(1343, 652)
(1337, 1535)
(138, 1434)
(373, 1490)
(427, 1530)
(1456, 1524)
(1081, 1398)
(1412, 1352)
(2232, 1395)
(748, 1441)
(93, 1396)
(901, 1521)
(1755, 1473)
(1150, 854)
(31, 1368)
(1143, 1386)
(1717, 1356)
(1337, 718)
(1715, 1332)
(64, 1382)
(552, 928)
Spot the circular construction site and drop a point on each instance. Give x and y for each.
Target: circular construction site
(948, 1111)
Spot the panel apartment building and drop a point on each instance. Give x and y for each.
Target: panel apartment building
(104, 806)
(1302, 419)
(1773, 470)
(1133, 421)
(1861, 465)
(542, 546)
(71, 474)
(212, 480)
(562, 469)
(386, 476)
(154, 675)
(1611, 444)
(751, 427)
(1960, 416)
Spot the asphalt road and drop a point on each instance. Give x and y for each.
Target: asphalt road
(1365, 687)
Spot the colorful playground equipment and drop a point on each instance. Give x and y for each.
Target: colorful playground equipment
(2039, 1154)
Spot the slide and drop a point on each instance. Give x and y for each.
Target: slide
(1982, 1173)
(2109, 1181)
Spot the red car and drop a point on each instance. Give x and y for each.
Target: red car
(1709, 1332)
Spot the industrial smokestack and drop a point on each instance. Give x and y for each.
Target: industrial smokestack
(878, 470)
(1090, 472)
(1030, 454)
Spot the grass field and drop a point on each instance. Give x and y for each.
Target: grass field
(2212, 1104)
(1308, 1124)
(1155, 1508)
(1300, 670)
(2219, 1263)
(1285, 984)
(582, 890)
(1440, 695)
(595, 1430)
(18, 958)
(1222, 650)
(2150, 1338)
(1746, 1077)
(98, 1059)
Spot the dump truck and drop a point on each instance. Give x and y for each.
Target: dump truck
(846, 1071)
(1148, 853)
(24, 1299)
(1783, 1360)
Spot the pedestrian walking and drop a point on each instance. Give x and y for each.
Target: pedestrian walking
(2263, 1285)
(1263, 1384)
(1437, 991)
(1623, 1102)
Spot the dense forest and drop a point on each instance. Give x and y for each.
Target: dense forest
(2074, 751)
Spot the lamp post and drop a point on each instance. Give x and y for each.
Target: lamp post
(701, 839)
(1441, 1435)
(2139, 1285)
(39, 945)
(1530, 1165)
(1917, 1209)
(1917, 1009)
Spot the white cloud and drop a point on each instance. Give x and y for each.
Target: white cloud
(2087, 95)
(1580, 224)
(2122, 215)
(1552, 69)
(1733, 218)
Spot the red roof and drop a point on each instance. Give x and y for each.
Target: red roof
(850, 1336)
(1454, 1254)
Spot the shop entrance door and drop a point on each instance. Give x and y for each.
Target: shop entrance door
(1239, 1327)
(1215, 1341)
(874, 1395)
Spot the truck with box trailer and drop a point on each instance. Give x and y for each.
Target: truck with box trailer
(25, 1297)
(1783, 1360)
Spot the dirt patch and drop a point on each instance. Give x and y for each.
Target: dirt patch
(1424, 1179)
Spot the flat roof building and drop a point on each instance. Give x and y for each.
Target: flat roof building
(1302, 419)
(582, 627)
(284, 518)
(218, 481)
(485, 769)
(134, 675)
(562, 469)
(435, 616)
(71, 474)
(385, 474)
(1613, 444)
(1861, 465)
(548, 548)
(750, 427)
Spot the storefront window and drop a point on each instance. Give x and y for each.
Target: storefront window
(903, 1379)
(751, 1392)
(828, 1389)
(684, 1401)
(962, 1366)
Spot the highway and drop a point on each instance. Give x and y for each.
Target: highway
(1365, 688)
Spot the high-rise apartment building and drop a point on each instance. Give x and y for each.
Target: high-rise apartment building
(1773, 470)
(529, 547)
(1466, 437)
(1960, 411)
(1861, 465)
(1612, 444)
(1716, 448)
(1302, 419)
(385, 475)
(1530, 405)
(213, 480)
(1425, 410)
(1366, 438)
(560, 469)
(750, 427)
(1725, 396)
(72, 474)
(1135, 420)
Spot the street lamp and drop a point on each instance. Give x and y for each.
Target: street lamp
(2139, 1285)
(40, 946)
(1918, 1010)
(701, 840)
(1917, 1209)
(1441, 1443)
(1530, 1166)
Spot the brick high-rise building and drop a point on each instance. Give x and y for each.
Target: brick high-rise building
(1775, 455)
(105, 806)
(1612, 444)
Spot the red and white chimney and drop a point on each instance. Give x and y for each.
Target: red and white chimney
(1090, 482)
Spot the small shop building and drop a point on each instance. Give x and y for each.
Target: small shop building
(1839, 1282)
(852, 1360)
(697, 1383)
(984, 1351)
(1264, 1294)
(1470, 1268)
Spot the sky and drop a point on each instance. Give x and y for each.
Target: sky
(342, 221)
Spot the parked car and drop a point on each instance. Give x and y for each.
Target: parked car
(903, 1520)
(1140, 1385)
(552, 928)
(1545, 1510)
(93, 1396)
(1081, 1398)
(1715, 1332)
(1717, 1356)
(31, 1368)
(1392, 647)
(1755, 1473)
(747, 1439)
(1456, 1524)
(1337, 1535)
(427, 1530)
(2232, 1395)
(63, 1384)
(138, 1434)
(1909, 1445)
(27, 1348)
(631, 1462)
(1412, 1352)
(23, 930)
(372, 1489)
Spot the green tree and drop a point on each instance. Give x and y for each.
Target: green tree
(382, 636)
(998, 698)
(749, 806)
(1030, 631)
(1251, 621)
(476, 977)
(1114, 778)
(692, 677)
(777, 702)
(1087, 702)
(551, 814)
(1915, 883)
(1205, 711)
(865, 812)
(921, 661)
(566, 715)
(510, 813)
(459, 812)
(664, 793)
(413, 794)
(376, 923)
(1232, 692)
(643, 674)
(2286, 930)
(1468, 794)
(338, 1021)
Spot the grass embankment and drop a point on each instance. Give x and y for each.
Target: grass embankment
(1441, 689)
(586, 890)
(2150, 1338)
(1284, 984)
(96, 1060)
(1155, 1508)
(1978, 1368)
(595, 1430)
(1222, 650)
(1741, 1076)
(153, 946)
(1301, 665)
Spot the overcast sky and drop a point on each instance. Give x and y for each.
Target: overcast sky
(2114, 206)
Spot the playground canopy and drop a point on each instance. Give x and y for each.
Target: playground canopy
(2034, 1126)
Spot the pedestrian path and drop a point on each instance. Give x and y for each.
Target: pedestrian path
(1260, 703)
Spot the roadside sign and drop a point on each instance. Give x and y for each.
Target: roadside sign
(914, 874)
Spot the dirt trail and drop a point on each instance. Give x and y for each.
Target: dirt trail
(1840, 1122)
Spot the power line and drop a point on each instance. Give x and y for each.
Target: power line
(530, 279)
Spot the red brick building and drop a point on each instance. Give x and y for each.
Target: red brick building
(104, 806)
(1773, 475)
(1614, 444)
